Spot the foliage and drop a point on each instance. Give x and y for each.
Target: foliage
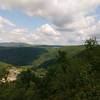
(67, 78)
(91, 43)
(20, 56)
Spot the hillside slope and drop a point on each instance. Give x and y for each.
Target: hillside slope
(20, 56)
(48, 58)
(35, 56)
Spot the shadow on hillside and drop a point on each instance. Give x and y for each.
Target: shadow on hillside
(20, 56)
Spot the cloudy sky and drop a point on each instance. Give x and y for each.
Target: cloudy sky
(60, 22)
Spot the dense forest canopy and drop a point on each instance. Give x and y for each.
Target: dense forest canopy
(70, 76)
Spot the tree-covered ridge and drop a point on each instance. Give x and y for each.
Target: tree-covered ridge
(19, 54)
(68, 78)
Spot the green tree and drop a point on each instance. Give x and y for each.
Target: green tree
(26, 77)
(91, 43)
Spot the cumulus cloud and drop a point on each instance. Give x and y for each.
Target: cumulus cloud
(49, 30)
(59, 11)
(73, 20)
(44, 34)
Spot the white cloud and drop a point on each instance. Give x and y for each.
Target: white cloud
(73, 20)
(48, 34)
(59, 11)
(47, 29)
(5, 22)
(44, 34)
(19, 31)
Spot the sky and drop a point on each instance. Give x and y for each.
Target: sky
(49, 22)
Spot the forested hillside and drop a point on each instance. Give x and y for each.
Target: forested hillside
(21, 55)
(73, 73)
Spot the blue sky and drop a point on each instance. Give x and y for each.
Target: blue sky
(97, 12)
(23, 20)
(60, 22)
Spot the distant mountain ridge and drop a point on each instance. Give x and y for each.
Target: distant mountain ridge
(14, 44)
